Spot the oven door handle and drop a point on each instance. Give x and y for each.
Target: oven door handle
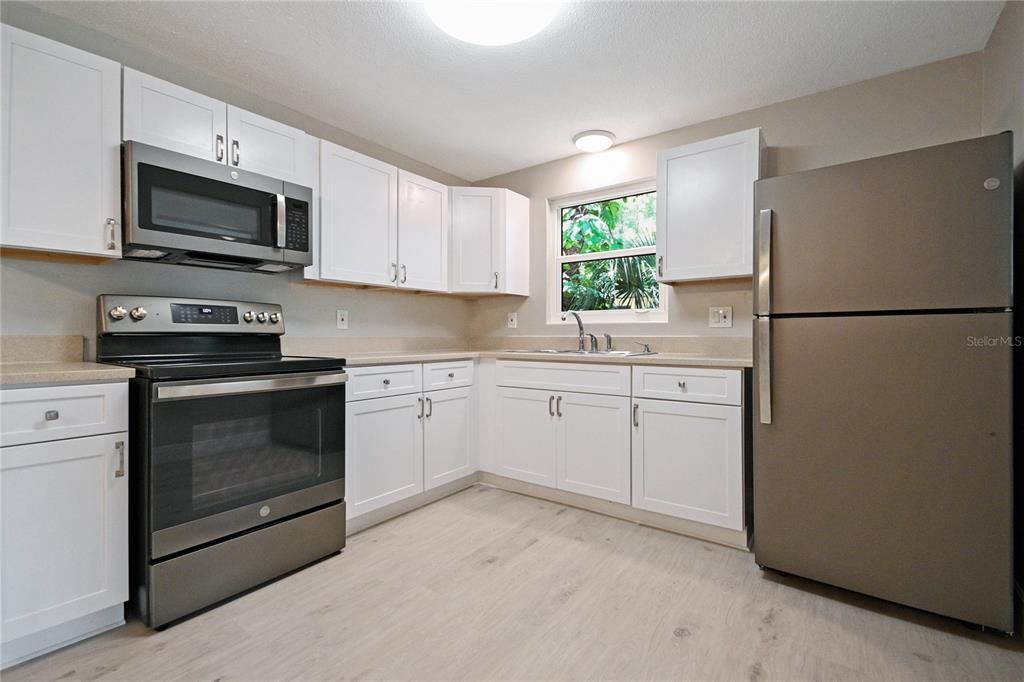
(188, 390)
(282, 222)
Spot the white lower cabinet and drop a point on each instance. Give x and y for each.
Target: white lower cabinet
(447, 434)
(384, 451)
(688, 461)
(527, 437)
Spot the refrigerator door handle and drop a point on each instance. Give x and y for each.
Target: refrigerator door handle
(764, 262)
(764, 368)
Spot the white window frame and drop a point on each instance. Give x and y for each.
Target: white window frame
(555, 259)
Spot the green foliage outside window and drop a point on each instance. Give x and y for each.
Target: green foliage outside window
(613, 283)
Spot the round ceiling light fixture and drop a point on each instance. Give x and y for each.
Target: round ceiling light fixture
(498, 22)
(593, 140)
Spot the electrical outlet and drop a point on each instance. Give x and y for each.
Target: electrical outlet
(513, 320)
(720, 316)
(342, 319)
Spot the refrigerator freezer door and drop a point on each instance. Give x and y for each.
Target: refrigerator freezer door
(926, 229)
(887, 466)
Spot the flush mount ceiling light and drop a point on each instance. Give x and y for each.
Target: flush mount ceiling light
(594, 140)
(498, 22)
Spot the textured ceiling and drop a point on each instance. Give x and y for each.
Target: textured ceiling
(384, 72)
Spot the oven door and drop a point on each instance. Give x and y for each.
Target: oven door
(180, 203)
(227, 455)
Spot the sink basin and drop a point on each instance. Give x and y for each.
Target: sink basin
(595, 353)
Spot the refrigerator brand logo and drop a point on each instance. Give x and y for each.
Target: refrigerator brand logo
(992, 341)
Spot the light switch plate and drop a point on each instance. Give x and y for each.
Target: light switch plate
(342, 319)
(720, 316)
(513, 320)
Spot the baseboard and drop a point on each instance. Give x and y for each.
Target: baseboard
(59, 636)
(360, 523)
(737, 539)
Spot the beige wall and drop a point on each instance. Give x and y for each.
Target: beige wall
(928, 105)
(1003, 64)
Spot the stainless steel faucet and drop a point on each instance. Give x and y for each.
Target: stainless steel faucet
(579, 322)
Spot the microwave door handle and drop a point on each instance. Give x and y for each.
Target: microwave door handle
(282, 223)
(188, 390)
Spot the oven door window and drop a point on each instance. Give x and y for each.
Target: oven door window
(214, 454)
(172, 201)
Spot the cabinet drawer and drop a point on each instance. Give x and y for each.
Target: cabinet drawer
(384, 380)
(32, 415)
(719, 386)
(438, 375)
(564, 376)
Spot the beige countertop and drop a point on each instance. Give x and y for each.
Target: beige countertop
(663, 359)
(60, 372)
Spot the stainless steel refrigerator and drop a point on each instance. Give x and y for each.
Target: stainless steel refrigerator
(883, 353)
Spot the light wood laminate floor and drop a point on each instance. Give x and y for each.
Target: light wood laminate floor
(488, 584)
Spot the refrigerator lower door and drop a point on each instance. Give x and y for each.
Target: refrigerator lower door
(886, 468)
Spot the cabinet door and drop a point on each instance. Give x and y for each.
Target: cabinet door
(422, 233)
(65, 531)
(384, 451)
(447, 447)
(264, 146)
(358, 218)
(172, 117)
(526, 441)
(705, 207)
(593, 445)
(476, 235)
(61, 112)
(688, 461)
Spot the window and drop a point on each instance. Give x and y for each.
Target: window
(605, 259)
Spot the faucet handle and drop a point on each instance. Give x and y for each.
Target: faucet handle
(593, 343)
(647, 346)
(608, 342)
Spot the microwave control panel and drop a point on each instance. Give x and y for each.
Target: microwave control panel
(297, 225)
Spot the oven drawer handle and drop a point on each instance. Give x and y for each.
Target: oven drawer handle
(264, 384)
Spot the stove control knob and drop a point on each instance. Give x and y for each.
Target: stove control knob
(118, 313)
(261, 317)
(138, 313)
(249, 316)
(275, 318)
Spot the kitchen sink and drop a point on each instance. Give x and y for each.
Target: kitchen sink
(587, 353)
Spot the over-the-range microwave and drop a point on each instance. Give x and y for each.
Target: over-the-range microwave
(190, 211)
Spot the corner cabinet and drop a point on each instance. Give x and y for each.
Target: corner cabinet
(705, 207)
(422, 233)
(61, 113)
(490, 241)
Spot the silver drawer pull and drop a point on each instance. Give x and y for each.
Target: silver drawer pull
(51, 415)
(387, 382)
(451, 375)
(682, 385)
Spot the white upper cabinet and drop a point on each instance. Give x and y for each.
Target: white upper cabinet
(490, 241)
(359, 217)
(264, 146)
(172, 117)
(422, 233)
(61, 112)
(706, 207)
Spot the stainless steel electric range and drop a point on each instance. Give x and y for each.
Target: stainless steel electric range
(237, 460)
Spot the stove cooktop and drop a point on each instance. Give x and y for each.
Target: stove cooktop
(198, 368)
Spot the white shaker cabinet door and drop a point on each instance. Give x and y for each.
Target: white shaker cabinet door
(64, 530)
(688, 461)
(61, 175)
(422, 233)
(448, 453)
(384, 452)
(526, 438)
(171, 117)
(264, 146)
(358, 217)
(476, 235)
(593, 445)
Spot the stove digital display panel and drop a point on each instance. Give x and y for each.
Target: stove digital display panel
(187, 313)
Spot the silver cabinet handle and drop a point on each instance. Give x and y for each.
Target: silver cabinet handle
(111, 234)
(393, 269)
(420, 415)
(661, 269)
(451, 375)
(282, 222)
(495, 280)
(558, 406)
(405, 274)
(430, 407)
(551, 406)
(220, 147)
(51, 415)
(119, 449)
(636, 415)
(764, 262)
(235, 154)
(764, 368)
(387, 382)
(682, 385)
